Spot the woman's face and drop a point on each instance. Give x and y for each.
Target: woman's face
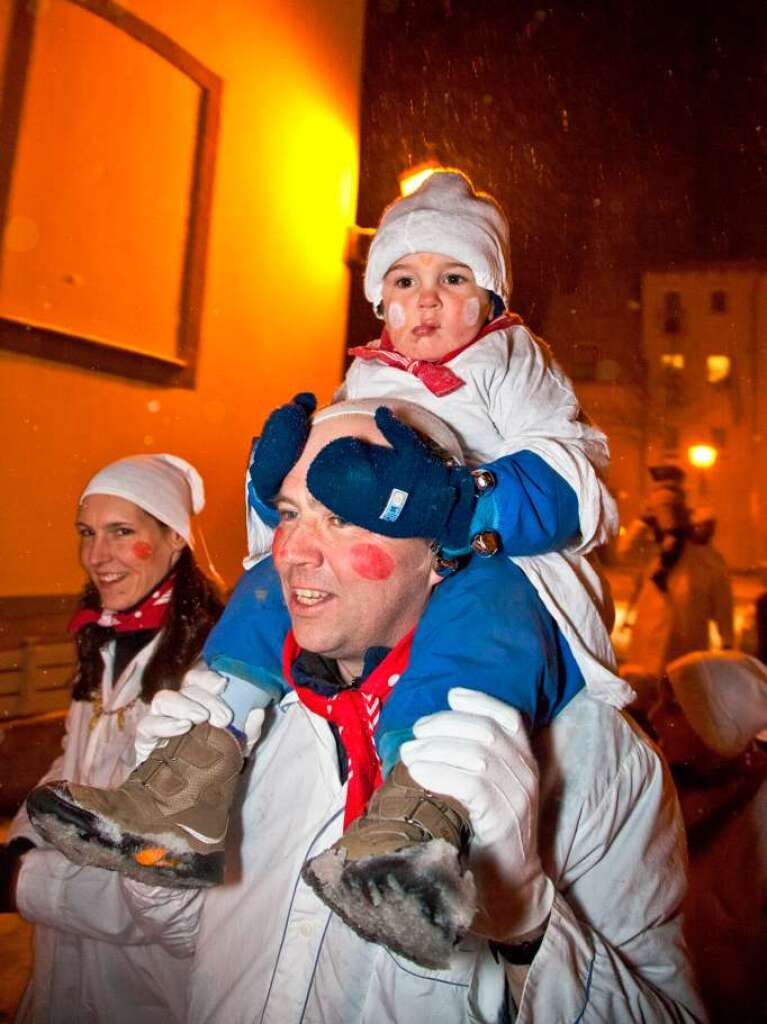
(124, 550)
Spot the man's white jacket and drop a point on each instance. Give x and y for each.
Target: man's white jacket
(269, 951)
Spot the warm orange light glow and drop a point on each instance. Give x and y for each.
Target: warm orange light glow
(702, 456)
(414, 177)
(672, 360)
(312, 196)
(315, 190)
(717, 369)
(276, 286)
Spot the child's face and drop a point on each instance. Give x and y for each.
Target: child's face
(432, 305)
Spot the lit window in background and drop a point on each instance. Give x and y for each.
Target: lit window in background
(702, 456)
(718, 369)
(414, 177)
(672, 360)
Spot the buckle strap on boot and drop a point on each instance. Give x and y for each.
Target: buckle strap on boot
(161, 758)
(167, 769)
(435, 816)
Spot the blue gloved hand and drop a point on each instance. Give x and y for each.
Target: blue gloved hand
(402, 491)
(276, 451)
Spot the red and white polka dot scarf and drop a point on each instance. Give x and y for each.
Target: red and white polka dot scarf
(355, 712)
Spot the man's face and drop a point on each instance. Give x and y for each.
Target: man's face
(346, 589)
(432, 305)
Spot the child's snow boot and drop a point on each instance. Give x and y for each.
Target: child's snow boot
(166, 825)
(397, 874)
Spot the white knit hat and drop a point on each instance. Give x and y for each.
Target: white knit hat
(724, 697)
(166, 487)
(445, 216)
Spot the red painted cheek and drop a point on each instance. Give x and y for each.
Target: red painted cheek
(371, 562)
(142, 550)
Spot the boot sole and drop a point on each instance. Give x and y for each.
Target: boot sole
(416, 902)
(81, 837)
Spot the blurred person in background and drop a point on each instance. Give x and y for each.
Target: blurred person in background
(761, 626)
(140, 626)
(684, 584)
(753, 635)
(711, 723)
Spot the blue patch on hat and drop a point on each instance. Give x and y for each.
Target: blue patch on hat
(394, 505)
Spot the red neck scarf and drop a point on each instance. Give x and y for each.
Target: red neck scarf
(434, 374)
(151, 613)
(355, 712)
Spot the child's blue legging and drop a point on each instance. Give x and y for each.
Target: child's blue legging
(484, 628)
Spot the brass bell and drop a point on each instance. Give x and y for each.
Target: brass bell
(484, 481)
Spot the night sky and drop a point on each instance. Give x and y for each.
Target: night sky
(617, 136)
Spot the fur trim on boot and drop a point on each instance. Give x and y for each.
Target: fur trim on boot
(396, 876)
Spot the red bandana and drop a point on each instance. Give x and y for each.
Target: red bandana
(150, 614)
(435, 375)
(355, 712)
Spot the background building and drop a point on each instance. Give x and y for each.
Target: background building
(704, 336)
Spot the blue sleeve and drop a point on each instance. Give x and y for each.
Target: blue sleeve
(531, 507)
(484, 628)
(267, 513)
(247, 640)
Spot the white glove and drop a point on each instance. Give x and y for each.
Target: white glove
(479, 754)
(174, 712)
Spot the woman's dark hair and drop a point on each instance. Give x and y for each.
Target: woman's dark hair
(195, 605)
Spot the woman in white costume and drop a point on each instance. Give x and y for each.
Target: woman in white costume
(139, 627)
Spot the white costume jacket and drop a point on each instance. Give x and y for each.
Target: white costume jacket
(516, 398)
(269, 952)
(97, 958)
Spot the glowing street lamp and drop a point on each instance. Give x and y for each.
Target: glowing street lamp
(414, 177)
(702, 457)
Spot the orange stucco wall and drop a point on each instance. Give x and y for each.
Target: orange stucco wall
(275, 302)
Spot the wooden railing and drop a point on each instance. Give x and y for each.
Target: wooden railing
(37, 660)
(35, 678)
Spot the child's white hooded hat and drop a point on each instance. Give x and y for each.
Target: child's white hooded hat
(445, 216)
